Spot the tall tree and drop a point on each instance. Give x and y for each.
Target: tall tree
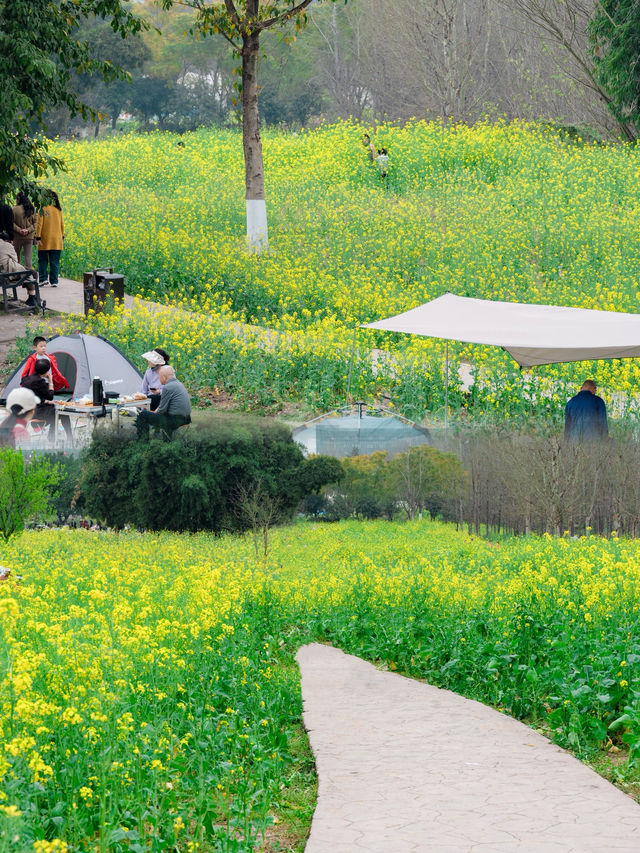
(40, 50)
(614, 33)
(129, 54)
(339, 56)
(566, 23)
(241, 23)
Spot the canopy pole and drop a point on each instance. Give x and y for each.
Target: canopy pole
(353, 349)
(446, 392)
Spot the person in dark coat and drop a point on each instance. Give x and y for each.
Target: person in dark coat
(585, 415)
(41, 383)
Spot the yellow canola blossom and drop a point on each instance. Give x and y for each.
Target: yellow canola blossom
(106, 697)
(512, 211)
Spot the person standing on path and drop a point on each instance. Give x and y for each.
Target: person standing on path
(585, 415)
(25, 219)
(50, 237)
(8, 257)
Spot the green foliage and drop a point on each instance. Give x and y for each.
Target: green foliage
(237, 19)
(40, 49)
(423, 478)
(129, 54)
(109, 478)
(228, 474)
(614, 33)
(26, 489)
(320, 470)
(289, 93)
(67, 499)
(364, 488)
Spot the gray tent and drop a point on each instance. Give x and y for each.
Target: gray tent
(80, 358)
(350, 432)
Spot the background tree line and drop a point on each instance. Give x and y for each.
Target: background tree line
(458, 60)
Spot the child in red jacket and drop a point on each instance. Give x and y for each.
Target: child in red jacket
(40, 351)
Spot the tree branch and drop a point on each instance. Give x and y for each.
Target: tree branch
(233, 14)
(285, 16)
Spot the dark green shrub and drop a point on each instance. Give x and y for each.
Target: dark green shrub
(205, 479)
(320, 470)
(314, 505)
(110, 478)
(68, 498)
(368, 507)
(338, 508)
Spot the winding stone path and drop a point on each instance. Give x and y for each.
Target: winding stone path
(404, 767)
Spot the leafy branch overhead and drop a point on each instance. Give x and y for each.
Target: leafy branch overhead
(238, 20)
(41, 46)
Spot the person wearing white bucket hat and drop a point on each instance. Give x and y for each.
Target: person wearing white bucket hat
(21, 405)
(151, 385)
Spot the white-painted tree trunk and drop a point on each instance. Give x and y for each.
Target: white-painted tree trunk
(257, 233)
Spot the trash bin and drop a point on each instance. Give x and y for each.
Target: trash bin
(102, 288)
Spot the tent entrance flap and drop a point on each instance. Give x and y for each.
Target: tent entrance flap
(531, 334)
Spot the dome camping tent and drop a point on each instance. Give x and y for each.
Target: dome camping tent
(80, 358)
(350, 432)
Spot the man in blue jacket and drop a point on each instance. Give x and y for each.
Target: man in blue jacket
(585, 415)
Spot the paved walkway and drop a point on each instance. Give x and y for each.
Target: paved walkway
(404, 767)
(68, 297)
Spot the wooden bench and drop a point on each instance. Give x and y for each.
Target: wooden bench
(11, 281)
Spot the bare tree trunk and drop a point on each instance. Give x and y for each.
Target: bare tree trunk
(257, 233)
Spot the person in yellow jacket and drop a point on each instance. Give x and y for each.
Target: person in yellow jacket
(49, 237)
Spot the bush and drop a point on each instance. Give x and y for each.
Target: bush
(67, 500)
(211, 477)
(314, 505)
(423, 478)
(26, 489)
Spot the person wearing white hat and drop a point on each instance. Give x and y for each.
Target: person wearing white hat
(151, 385)
(21, 404)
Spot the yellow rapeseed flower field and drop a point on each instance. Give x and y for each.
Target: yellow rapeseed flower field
(509, 211)
(147, 684)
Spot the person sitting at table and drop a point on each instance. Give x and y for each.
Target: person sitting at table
(175, 406)
(151, 385)
(41, 383)
(21, 404)
(59, 382)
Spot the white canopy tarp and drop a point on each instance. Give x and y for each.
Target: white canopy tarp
(531, 334)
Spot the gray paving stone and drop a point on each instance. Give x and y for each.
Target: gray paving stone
(404, 767)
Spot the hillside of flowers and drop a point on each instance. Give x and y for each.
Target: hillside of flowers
(148, 691)
(507, 211)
